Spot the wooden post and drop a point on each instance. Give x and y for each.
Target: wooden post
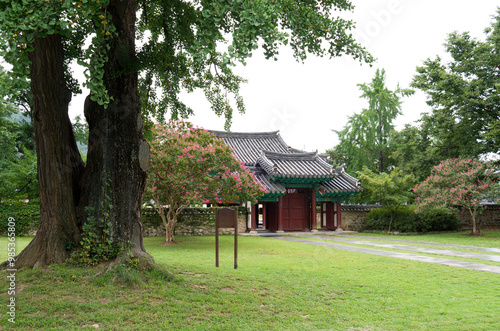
(236, 241)
(216, 242)
(254, 217)
(226, 218)
(280, 214)
(264, 215)
(314, 225)
(339, 214)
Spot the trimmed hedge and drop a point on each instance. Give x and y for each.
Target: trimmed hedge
(406, 220)
(27, 217)
(440, 219)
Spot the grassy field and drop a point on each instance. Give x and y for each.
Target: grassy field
(278, 286)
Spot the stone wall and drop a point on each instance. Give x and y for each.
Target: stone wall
(353, 216)
(489, 218)
(192, 222)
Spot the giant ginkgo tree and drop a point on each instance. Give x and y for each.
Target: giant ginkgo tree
(364, 141)
(184, 45)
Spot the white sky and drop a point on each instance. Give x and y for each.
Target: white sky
(306, 101)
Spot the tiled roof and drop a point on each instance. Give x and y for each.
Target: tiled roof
(274, 163)
(359, 207)
(263, 178)
(296, 165)
(247, 146)
(342, 182)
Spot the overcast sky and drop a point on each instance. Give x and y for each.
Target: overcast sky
(306, 101)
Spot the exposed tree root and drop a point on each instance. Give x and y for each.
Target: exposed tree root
(133, 268)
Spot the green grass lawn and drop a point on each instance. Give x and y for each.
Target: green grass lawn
(278, 286)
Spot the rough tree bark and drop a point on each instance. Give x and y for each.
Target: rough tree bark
(58, 160)
(116, 145)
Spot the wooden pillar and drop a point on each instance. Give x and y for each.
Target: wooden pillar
(264, 204)
(323, 217)
(255, 215)
(339, 214)
(314, 225)
(280, 214)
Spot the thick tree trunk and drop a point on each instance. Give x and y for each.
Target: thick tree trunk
(117, 149)
(118, 157)
(59, 162)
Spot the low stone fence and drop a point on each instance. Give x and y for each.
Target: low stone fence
(191, 222)
(489, 218)
(353, 216)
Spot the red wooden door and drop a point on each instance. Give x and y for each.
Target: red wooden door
(294, 212)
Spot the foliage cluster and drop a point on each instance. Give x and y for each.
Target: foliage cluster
(391, 190)
(187, 38)
(388, 189)
(201, 41)
(365, 138)
(464, 94)
(27, 217)
(18, 173)
(406, 219)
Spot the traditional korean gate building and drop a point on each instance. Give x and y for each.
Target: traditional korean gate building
(297, 182)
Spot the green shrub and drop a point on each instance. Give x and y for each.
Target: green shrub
(26, 217)
(406, 220)
(439, 219)
(377, 219)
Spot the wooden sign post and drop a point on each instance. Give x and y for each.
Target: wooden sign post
(226, 218)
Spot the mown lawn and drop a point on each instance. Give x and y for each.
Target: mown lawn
(278, 286)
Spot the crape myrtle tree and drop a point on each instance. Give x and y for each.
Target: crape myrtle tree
(184, 44)
(190, 167)
(459, 183)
